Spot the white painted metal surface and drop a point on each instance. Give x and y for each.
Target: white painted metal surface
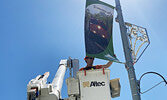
(59, 77)
(38, 89)
(94, 84)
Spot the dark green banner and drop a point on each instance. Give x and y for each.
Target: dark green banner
(98, 30)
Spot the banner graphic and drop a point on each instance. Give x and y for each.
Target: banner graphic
(98, 30)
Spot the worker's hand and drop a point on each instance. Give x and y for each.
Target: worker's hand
(107, 65)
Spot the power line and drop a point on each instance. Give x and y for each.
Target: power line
(151, 87)
(164, 80)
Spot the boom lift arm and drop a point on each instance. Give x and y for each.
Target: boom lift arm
(38, 89)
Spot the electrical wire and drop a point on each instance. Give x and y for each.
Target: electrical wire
(151, 87)
(154, 85)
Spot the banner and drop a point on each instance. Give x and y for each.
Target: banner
(98, 30)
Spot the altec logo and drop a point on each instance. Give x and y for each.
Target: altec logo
(93, 84)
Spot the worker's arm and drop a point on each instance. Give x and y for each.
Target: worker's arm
(107, 65)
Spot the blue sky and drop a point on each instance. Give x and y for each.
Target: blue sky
(36, 34)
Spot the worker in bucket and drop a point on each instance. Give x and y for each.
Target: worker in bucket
(89, 66)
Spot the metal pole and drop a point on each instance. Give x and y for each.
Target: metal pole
(127, 53)
(59, 77)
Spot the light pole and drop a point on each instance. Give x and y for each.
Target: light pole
(127, 53)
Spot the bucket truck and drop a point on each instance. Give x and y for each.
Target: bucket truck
(82, 85)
